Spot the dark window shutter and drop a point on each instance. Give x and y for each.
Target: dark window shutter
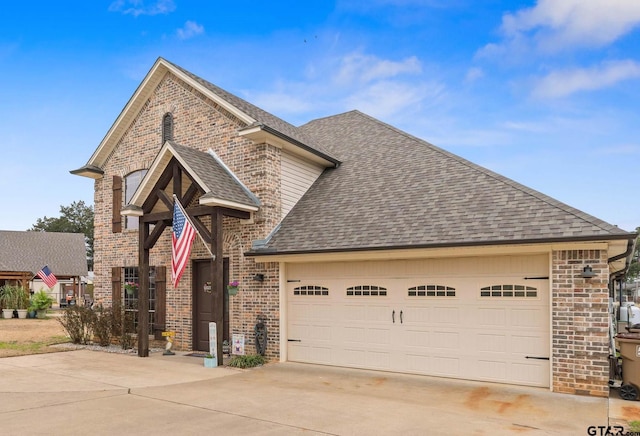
(161, 301)
(116, 220)
(167, 128)
(116, 287)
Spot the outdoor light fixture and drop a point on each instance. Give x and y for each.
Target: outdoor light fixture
(258, 277)
(587, 273)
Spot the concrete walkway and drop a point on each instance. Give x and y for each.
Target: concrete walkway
(88, 392)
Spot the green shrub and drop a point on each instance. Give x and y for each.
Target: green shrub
(104, 325)
(124, 326)
(78, 322)
(247, 361)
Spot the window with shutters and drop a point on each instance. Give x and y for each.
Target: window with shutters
(167, 127)
(127, 293)
(131, 183)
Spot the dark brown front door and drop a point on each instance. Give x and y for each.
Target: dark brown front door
(204, 303)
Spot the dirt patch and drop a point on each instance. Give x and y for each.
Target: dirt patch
(19, 337)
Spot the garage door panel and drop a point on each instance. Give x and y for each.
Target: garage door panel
(315, 354)
(529, 318)
(528, 373)
(416, 339)
(447, 340)
(491, 317)
(444, 366)
(493, 343)
(463, 334)
(445, 314)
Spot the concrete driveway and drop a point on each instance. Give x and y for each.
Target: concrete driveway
(88, 392)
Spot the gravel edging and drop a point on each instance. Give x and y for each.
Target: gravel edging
(108, 349)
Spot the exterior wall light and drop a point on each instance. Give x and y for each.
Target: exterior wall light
(587, 273)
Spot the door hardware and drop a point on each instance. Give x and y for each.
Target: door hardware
(393, 316)
(400, 317)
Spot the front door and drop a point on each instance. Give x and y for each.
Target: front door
(204, 303)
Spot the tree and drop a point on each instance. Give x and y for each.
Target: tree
(75, 218)
(634, 268)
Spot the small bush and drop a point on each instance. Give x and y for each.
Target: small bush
(103, 328)
(247, 361)
(78, 322)
(124, 326)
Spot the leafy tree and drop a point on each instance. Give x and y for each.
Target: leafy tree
(634, 268)
(75, 218)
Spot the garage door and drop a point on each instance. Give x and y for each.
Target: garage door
(492, 327)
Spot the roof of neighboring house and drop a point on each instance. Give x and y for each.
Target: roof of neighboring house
(394, 190)
(64, 253)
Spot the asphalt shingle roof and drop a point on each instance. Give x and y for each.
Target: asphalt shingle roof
(64, 253)
(218, 181)
(396, 190)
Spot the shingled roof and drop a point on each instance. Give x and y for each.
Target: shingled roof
(64, 253)
(394, 190)
(217, 180)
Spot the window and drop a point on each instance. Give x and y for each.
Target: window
(131, 183)
(509, 291)
(431, 291)
(367, 290)
(130, 294)
(310, 290)
(167, 127)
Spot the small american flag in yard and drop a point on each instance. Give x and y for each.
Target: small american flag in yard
(182, 238)
(47, 276)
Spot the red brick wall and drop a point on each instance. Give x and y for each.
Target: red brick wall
(202, 124)
(580, 323)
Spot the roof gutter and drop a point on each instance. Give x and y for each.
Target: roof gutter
(272, 252)
(628, 254)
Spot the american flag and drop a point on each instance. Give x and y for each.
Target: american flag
(182, 239)
(47, 276)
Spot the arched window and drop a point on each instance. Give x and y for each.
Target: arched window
(167, 127)
(131, 183)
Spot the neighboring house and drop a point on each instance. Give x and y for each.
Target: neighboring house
(23, 254)
(359, 244)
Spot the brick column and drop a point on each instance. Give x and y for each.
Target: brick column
(580, 323)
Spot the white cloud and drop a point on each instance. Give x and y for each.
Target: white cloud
(553, 25)
(190, 29)
(138, 7)
(363, 68)
(385, 99)
(566, 82)
(474, 74)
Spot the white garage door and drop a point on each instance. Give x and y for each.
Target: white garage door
(492, 327)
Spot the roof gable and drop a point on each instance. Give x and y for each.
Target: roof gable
(220, 185)
(262, 125)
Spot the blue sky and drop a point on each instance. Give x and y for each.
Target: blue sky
(545, 92)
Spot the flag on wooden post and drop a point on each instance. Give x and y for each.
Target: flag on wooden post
(47, 276)
(182, 240)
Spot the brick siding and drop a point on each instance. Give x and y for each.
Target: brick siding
(580, 323)
(202, 124)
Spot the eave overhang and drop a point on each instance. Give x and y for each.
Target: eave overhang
(261, 133)
(614, 244)
(90, 171)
